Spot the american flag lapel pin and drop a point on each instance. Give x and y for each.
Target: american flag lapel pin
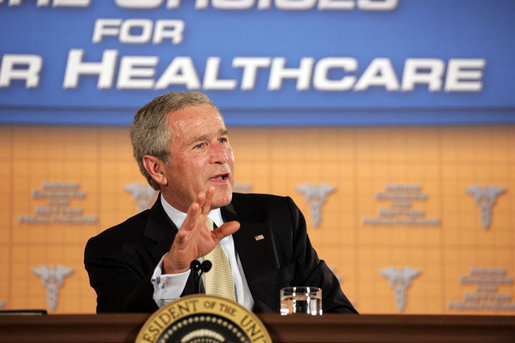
(259, 237)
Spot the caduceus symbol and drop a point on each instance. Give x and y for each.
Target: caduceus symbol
(316, 196)
(142, 194)
(486, 197)
(52, 278)
(400, 281)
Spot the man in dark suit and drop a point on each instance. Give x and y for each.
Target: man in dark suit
(182, 147)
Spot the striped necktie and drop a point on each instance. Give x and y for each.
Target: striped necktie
(219, 279)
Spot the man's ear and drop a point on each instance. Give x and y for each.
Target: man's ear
(154, 167)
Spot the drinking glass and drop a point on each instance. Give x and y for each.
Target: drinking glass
(306, 300)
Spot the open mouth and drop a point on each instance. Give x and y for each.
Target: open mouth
(220, 178)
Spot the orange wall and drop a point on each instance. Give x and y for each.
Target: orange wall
(358, 162)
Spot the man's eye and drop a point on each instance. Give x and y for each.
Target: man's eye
(199, 146)
(223, 140)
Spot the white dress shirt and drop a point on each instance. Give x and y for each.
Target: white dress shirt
(169, 287)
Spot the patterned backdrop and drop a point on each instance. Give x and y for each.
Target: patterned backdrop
(411, 219)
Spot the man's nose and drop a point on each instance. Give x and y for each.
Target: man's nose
(218, 153)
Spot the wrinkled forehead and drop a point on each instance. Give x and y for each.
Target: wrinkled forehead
(195, 120)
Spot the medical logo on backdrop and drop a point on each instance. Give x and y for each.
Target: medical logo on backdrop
(486, 293)
(400, 281)
(402, 197)
(58, 207)
(486, 198)
(316, 196)
(52, 278)
(203, 318)
(142, 194)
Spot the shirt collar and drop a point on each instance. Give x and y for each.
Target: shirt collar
(178, 217)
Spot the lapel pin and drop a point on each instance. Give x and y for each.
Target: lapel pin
(259, 237)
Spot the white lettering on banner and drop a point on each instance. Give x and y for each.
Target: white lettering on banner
(71, 3)
(106, 27)
(20, 67)
(464, 75)
(138, 72)
(173, 29)
(233, 4)
(379, 73)
(201, 4)
(141, 3)
(181, 71)
(145, 26)
(125, 30)
(295, 5)
(75, 67)
(414, 72)
(55, 3)
(278, 72)
(134, 72)
(211, 80)
(250, 67)
(323, 67)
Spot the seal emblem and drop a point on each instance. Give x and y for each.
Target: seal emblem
(203, 318)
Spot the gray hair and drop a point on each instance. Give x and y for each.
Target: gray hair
(150, 134)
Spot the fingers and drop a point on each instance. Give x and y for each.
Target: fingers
(194, 239)
(190, 223)
(181, 237)
(225, 230)
(206, 206)
(203, 203)
(199, 209)
(204, 200)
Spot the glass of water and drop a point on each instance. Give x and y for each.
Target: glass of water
(306, 300)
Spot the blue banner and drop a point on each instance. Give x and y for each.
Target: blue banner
(262, 62)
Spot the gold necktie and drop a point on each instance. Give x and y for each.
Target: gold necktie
(219, 278)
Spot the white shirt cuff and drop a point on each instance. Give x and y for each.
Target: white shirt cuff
(167, 287)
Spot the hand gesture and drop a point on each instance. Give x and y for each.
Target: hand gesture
(194, 238)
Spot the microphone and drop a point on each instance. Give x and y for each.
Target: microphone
(197, 267)
(206, 266)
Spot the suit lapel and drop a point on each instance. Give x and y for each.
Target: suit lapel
(161, 231)
(254, 243)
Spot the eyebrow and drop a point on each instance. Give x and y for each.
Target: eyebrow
(221, 132)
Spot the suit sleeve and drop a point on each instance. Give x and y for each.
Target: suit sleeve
(120, 286)
(309, 270)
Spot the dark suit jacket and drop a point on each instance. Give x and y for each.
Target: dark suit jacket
(120, 261)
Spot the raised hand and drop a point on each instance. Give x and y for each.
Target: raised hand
(194, 239)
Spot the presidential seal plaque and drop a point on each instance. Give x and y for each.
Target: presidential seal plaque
(203, 318)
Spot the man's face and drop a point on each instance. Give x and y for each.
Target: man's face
(200, 157)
